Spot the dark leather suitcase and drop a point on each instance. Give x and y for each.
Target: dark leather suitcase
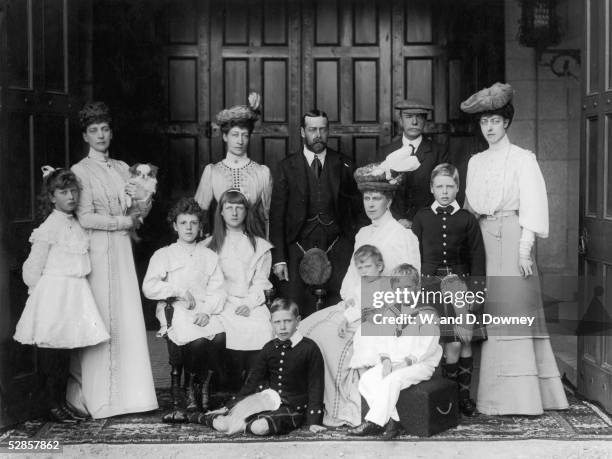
(429, 407)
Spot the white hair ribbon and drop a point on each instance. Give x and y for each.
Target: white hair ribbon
(46, 170)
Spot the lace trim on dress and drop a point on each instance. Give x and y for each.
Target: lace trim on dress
(113, 348)
(66, 242)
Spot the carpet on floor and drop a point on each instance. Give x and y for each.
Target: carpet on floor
(582, 421)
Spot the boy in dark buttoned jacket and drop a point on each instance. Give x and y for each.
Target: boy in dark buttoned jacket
(289, 369)
(451, 243)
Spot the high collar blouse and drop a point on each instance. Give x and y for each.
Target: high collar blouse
(506, 177)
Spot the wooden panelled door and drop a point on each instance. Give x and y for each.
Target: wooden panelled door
(38, 88)
(348, 58)
(595, 341)
(346, 69)
(300, 55)
(255, 46)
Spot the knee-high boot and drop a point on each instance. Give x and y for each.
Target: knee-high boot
(464, 380)
(175, 387)
(206, 390)
(192, 393)
(177, 415)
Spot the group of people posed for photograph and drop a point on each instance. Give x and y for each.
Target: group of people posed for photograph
(304, 358)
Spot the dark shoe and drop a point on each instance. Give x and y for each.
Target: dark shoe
(175, 417)
(364, 429)
(467, 407)
(57, 414)
(392, 430)
(202, 418)
(72, 414)
(197, 417)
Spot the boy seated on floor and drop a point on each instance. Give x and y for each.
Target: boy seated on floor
(399, 357)
(285, 388)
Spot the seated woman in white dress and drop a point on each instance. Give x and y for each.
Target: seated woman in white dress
(397, 245)
(245, 261)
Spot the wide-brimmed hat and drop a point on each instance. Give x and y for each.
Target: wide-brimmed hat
(241, 114)
(373, 177)
(237, 114)
(488, 99)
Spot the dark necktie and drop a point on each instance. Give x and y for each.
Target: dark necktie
(316, 166)
(411, 149)
(444, 210)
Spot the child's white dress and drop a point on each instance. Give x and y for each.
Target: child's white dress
(61, 311)
(246, 272)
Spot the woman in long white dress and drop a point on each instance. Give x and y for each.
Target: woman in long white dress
(115, 377)
(506, 190)
(237, 170)
(397, 245)
(245, 260)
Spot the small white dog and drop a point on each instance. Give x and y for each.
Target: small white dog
(144, 177)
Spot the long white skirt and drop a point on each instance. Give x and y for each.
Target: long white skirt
(341, 396)
(518, 374)
(115, 377)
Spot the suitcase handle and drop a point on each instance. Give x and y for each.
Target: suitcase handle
(450, 407)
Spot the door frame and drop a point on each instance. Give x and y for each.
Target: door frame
(595, 225)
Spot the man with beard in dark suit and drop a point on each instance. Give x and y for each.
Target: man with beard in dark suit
(315, 204)
(414, 192)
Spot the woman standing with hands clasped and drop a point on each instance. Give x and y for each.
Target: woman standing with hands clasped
(506, 190)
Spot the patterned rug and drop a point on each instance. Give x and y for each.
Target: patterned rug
(582, 421)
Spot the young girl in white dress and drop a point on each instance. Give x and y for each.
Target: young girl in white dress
(245, 260)
(60, 313)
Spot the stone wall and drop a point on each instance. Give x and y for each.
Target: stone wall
(547, 122)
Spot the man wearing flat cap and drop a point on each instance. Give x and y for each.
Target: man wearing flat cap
(414, 192)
